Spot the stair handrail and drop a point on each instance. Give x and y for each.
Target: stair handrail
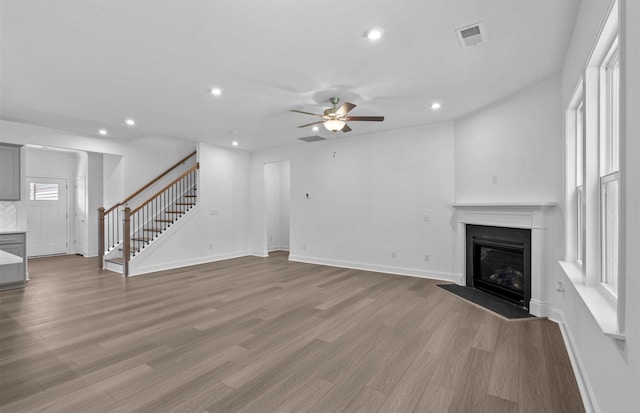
(153, 181)
(169, 185)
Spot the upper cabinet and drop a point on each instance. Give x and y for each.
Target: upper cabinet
(9, 172)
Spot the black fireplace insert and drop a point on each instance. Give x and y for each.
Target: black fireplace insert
(498, 262)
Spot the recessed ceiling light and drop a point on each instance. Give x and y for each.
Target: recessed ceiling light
(435, 106)
(315, 128)
(130, 122)
(216, 91)
(102, 131)
(373, 34)
(234, 143)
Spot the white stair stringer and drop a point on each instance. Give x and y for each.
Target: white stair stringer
(167, 250)
(113, 260)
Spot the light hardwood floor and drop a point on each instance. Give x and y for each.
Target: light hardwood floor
(267, 335)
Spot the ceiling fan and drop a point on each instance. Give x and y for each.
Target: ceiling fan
(335, 118)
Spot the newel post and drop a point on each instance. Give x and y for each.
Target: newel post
(101, 237)
(126, 241)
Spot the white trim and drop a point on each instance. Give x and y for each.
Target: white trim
(190, 262)
(584, 385)
(601, 307)
(408, 272)
(504, 204)
(529, 215)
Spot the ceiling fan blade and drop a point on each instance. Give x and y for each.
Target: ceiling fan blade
(346, 128)
(312, 123)
(344, 109)
(306, 113)
(366, 118)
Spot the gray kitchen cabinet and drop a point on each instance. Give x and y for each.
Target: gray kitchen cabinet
(9, 172)
(13, 275)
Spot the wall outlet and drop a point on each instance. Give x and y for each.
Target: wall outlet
(425, 217)
(304, 246)
(559, 287)
(210, 246)
(393, 254)
(427, 258)
(213, 212)
(494, 179)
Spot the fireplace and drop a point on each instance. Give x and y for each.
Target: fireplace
(530, 216)
(498, 262)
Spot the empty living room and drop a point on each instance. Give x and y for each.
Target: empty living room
(285, 206)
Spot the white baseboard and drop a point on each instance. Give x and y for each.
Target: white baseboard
(457, 278)
(538, 308)
(586, 391)
(261, 254)
(186, 263)
(409, 272)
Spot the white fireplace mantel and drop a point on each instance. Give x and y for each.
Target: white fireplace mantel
(529, 215)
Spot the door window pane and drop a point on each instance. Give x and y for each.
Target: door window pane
(43, 192)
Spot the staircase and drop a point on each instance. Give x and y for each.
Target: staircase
(125, 232)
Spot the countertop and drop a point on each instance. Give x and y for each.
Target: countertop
(7, 258)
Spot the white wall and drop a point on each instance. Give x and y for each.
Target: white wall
(277, 194)
(94, 200)
(518, 140)
(367, 201)
(216, 228)
(285, 204)
(113, 175)
(611, 368)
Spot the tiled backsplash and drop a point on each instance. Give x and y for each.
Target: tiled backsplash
(8, 215)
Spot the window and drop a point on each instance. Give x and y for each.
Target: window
(593, 188)
(609, 169)
(43, 192)
(579, 137)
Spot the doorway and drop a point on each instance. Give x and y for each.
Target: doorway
(277, 199)
(47, 216)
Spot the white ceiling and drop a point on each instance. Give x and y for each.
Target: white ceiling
(82, 65)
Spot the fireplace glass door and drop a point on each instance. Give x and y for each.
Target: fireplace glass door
(501, 267)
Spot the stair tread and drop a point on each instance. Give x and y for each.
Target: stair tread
(164, 220)
(174, 212)
(184, 203)
(133, 250)
(153, 229)
(144, 239)
(117, 260)
(191, 196)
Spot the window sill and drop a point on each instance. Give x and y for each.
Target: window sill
(601, 308)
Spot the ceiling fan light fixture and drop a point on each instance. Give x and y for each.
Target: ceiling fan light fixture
(334, 125)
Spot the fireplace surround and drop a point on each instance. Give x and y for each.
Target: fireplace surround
(519, 215)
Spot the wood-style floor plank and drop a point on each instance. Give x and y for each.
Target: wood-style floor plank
(267, 335)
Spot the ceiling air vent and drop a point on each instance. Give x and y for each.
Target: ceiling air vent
(472, 35)
(313, 138)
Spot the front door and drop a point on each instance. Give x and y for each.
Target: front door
(46, 216)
